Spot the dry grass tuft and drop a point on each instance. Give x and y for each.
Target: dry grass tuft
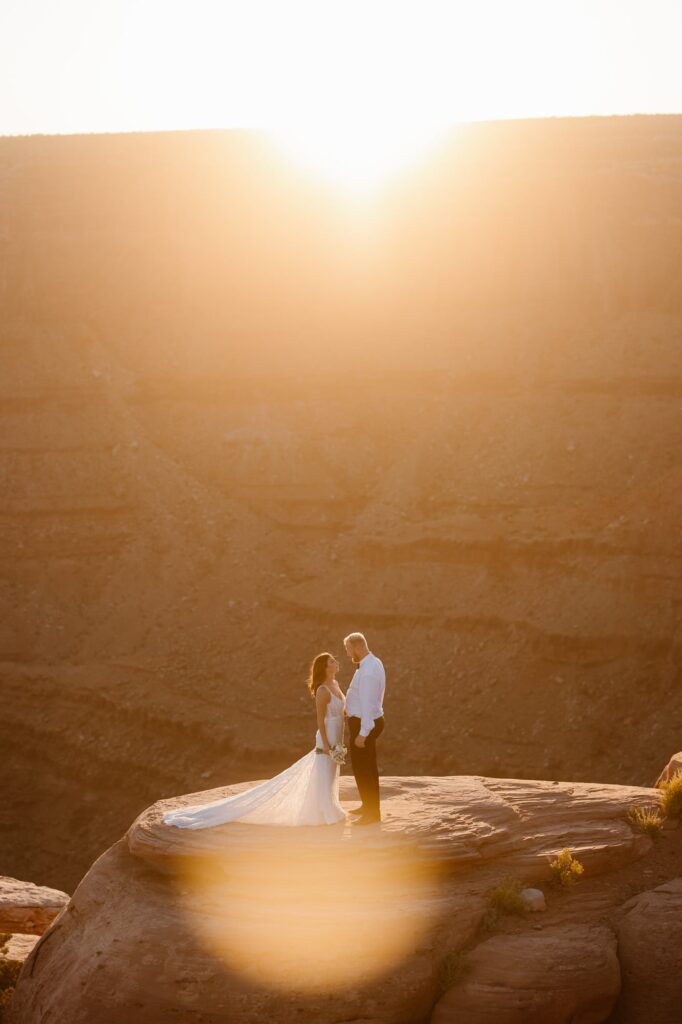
(506, 897)
(671, 796)
(645, 819)
(9, 972)
(452, 969)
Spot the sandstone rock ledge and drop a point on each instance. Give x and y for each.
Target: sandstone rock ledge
(247, 923)
(27, 908)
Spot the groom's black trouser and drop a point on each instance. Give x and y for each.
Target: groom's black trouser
(364, 763)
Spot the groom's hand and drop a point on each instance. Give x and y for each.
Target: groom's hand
(360, 741)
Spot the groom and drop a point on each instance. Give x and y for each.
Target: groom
(364, 707)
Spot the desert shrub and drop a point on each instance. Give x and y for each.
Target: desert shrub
(671, 796)
(9, 972)
(506, 898)
(566, 869)
(645, 819)
(490, 919)
(453, 967)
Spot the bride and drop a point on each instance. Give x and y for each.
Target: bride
(306, 793)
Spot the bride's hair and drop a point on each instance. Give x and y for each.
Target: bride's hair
(318, 672)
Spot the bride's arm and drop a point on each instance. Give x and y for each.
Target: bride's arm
(322, 698)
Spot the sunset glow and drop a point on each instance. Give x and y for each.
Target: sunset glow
(356, 156)
(340, 534)
(353, 92)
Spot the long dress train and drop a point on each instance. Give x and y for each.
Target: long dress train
(305, 793)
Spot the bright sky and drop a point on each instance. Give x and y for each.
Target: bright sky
(361, 81)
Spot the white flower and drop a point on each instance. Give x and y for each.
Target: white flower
(338, 754)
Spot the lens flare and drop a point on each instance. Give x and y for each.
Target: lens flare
(312, 914)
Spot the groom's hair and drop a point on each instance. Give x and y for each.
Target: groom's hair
(355, 638)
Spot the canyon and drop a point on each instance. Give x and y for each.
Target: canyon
(241, 416)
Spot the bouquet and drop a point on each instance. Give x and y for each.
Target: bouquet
(338, 753)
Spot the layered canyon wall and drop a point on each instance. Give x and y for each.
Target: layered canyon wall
(241, 416)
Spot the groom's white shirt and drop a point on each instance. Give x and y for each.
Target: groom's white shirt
(365, 697)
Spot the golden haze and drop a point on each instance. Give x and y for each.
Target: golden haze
(242, 416)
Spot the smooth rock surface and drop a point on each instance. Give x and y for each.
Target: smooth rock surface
(650, 953)
(674, 765)
(461, 820)
(563, 975)
(28, 908)
(249, 923)
(137, 946)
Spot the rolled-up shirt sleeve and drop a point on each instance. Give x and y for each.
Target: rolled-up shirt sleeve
(370, 698)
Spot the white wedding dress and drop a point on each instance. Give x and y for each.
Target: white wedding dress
(306, 793)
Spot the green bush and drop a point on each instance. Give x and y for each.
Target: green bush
(671, 796)
(566, 869)
(646, 820)
(506, 898)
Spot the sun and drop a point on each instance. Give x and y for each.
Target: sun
(358, 155)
